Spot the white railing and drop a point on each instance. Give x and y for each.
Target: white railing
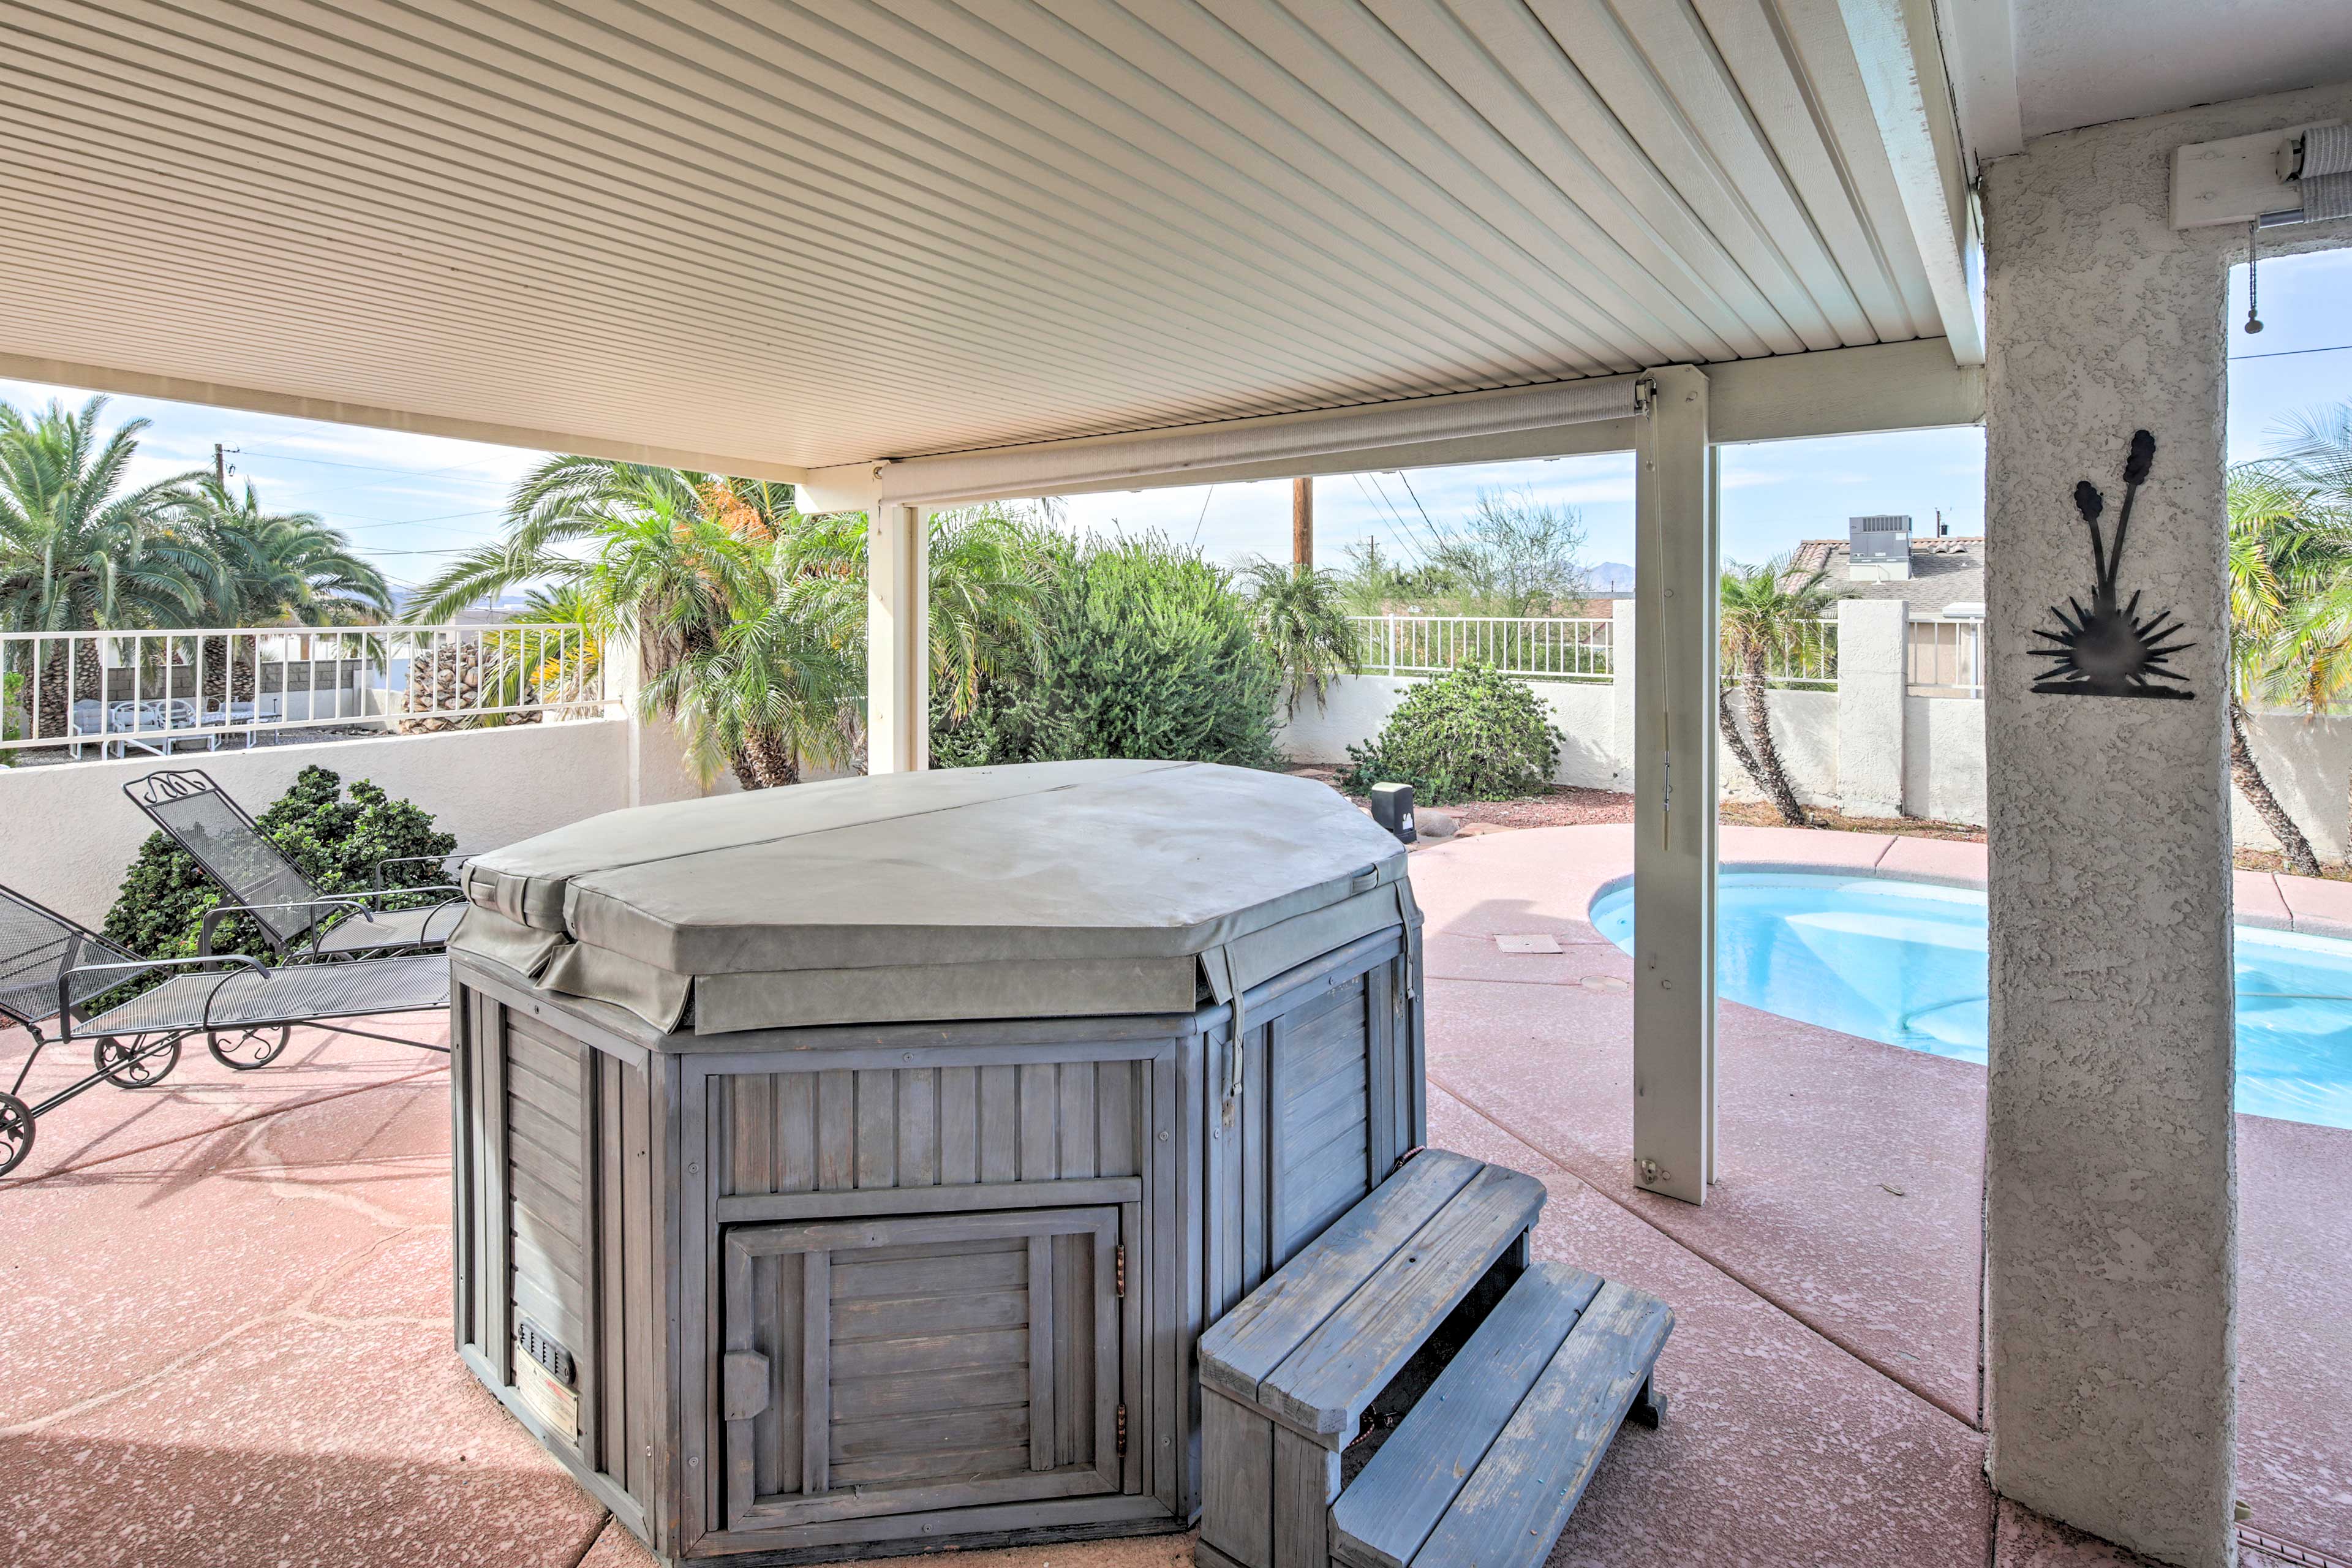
(1547, 648)
(1946, 658)
(1807, 657)
(157, 691)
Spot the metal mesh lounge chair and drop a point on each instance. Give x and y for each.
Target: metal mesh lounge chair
(56, 978)
(294, 914)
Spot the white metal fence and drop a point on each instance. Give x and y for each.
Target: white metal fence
(1553, 647)
(1946, 658)
(161, 691)
(1549, 647)
(1805, 658)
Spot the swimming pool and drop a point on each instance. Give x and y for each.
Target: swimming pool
(1905, 962)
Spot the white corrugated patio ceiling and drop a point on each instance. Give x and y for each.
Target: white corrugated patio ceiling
(774, 236)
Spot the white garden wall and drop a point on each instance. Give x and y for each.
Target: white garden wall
(2308, 762)
(69, 832)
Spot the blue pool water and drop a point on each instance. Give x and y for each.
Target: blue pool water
(1905, 962)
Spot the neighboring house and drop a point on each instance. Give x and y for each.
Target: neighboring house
(1940, 577)
(1931, 573)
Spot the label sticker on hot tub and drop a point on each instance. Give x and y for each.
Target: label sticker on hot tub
(557, 1407)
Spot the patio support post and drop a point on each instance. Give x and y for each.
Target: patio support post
(1673, 790)
(897, 640)
(2111, 1203)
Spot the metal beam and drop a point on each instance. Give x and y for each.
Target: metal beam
(218, 395)
(1673, 790)
(1901, 58)
(1835, 392)
(1981, 44)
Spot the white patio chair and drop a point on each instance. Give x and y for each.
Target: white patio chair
(150, 726)
(267, 709)
(88, 718)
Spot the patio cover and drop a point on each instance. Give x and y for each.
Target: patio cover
(1053, 890)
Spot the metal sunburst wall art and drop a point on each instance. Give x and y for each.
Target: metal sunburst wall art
(2110, 649)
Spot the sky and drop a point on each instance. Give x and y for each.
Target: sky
(411, 501)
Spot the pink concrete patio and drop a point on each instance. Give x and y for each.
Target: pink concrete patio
(228, 1339)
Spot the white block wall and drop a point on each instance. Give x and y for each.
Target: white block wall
(1941, 740)
(70, 833)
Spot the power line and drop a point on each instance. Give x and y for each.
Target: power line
(1420, 544)
(1204, 514)
(2282, 353)
(1436, 539)
(367, 522)
(1406, 479)
(370, 468)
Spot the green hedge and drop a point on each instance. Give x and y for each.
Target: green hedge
(1468, 734)
(337, 843)
(1144, 649)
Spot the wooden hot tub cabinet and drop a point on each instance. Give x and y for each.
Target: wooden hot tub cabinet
(852, 1290)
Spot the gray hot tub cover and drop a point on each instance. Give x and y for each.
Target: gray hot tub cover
(1055, 890)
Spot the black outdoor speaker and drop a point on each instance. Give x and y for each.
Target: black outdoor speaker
(1392, 809)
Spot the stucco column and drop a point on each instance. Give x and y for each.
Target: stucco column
(1873, 683)
(654, 756)
(2111, 1236)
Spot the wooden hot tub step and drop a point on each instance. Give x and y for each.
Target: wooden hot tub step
(1489, 1463)
(1287, 1376)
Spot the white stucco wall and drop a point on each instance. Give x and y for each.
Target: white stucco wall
(1944, 758)
(1873, 681)
(1596, 754)
(1356, 708)
(2308, 763)
(1805, 730)
(1941, 740)
(70, 833)
(2111, 1204)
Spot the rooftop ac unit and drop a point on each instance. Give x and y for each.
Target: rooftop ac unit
(1878, 549)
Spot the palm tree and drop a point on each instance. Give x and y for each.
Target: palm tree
(669, 557)
(274, 567)
(1302, 623)
(2271, 563)
(2311, 652)
(569, 668)
(1764, 611)
(80, 550)
(988, 566)
(2290, 598)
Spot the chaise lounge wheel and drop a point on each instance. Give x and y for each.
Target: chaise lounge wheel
(16, 1132)
(132, 1062)
(249, 1048)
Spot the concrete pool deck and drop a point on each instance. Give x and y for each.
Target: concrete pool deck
(227, 1335)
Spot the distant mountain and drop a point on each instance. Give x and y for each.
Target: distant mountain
(1610, 577)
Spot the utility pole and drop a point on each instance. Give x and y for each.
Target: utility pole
(1302, 524)
(220, 466)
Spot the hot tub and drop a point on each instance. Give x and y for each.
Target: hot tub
(855, 1166)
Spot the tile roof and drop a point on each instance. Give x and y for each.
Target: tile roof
(1949, 569)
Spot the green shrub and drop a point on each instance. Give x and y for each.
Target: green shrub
(336, 842)
(1469, 734)
(1144, 650)
(11, 717)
